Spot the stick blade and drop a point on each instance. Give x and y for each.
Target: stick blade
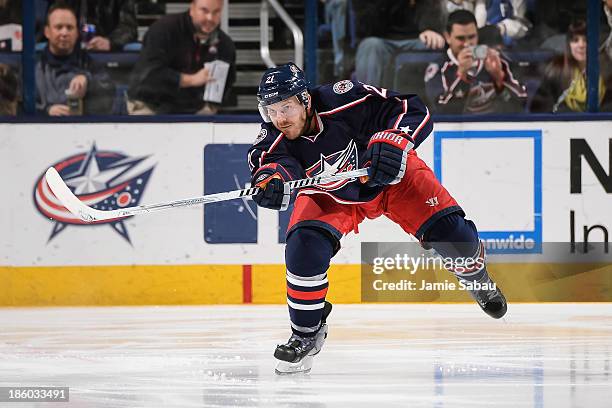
(66, 197)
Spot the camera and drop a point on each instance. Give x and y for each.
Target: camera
(479, 51)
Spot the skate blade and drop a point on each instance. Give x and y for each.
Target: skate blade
(302, 367)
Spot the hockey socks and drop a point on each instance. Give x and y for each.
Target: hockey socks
(456, 238)
(307, 255)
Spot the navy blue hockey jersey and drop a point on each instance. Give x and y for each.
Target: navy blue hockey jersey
(348, 113)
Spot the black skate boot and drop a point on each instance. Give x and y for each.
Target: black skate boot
(297, 354)
(488, 296)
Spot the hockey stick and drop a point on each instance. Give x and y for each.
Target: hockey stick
(89, 214)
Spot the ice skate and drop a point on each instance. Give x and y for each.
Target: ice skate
(296, 355)
(488, 296)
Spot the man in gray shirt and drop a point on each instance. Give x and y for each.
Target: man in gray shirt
(65, 71)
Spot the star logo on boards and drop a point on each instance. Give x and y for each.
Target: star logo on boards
(104, 180)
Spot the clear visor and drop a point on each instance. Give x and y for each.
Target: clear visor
(288, 108)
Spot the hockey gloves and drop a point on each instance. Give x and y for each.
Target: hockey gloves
(388, 153)
(273, 193)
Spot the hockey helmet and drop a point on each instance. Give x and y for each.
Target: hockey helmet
(280, 83)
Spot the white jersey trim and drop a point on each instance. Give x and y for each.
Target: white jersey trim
(343, 107)
(425, 120)
(320, 124)
(401, 116)
(276, 142)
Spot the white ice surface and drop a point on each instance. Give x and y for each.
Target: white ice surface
(438, 356)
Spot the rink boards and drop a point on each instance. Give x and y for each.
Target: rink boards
(523, 184)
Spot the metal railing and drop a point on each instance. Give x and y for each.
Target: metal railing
(264, 36)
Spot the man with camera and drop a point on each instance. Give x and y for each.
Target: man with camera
(474, 78)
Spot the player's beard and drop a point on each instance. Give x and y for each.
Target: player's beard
(307, 118)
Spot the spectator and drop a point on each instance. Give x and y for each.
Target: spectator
(64, 68)
(105, 25)
(564, 86)
(8, 91)
(391, 27)
(472, 80)
(489, 34)
(508, 16)
(478, 7)
(170, 76)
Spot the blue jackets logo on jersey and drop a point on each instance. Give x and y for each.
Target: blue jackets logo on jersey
(104, 180)
(343, 160)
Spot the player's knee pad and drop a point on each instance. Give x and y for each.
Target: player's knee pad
(452, 236)
(308, 251)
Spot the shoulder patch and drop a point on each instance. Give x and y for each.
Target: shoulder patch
(261, 136)
(343, 86)
(431, 71)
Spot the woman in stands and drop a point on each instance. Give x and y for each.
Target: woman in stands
(564, 83)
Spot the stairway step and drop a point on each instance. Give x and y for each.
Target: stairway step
(175, 8)
(237, 33)
(245, 103)
(248, 33)
(248, 78)
(253, 57)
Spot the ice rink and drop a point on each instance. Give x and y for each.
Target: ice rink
(547, 355)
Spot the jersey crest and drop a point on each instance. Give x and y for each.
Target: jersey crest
(340, 161)
(343, 86)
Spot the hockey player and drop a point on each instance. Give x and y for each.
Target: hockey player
(324, 130)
